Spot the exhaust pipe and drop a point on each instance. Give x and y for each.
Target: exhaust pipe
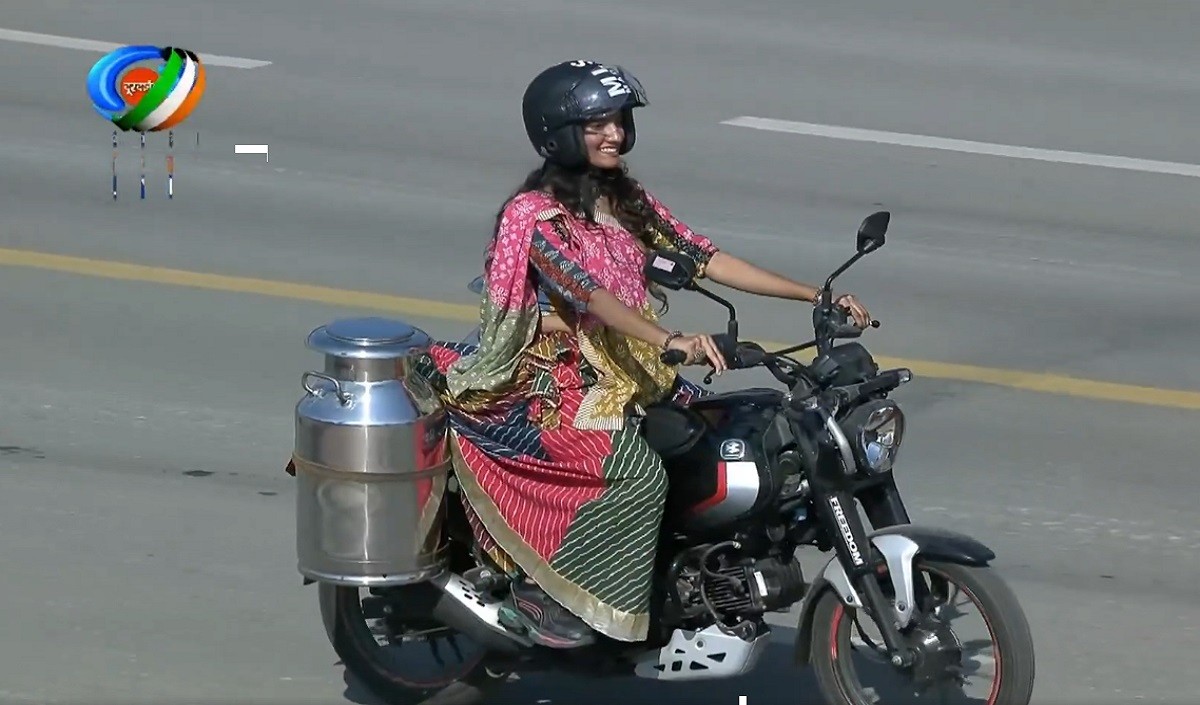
(460, 607)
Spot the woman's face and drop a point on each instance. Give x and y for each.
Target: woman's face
(603, 138)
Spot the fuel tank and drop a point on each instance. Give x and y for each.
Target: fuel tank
(722, 455)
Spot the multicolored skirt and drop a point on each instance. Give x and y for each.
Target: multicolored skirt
(577, 511)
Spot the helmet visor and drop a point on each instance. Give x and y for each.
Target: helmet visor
(606, 90)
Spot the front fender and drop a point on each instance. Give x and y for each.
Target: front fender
(898, 545)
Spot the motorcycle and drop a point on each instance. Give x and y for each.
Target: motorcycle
(755, 475)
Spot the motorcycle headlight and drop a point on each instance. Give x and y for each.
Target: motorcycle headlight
(880, 431)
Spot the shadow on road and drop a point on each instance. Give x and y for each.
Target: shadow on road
(776, 681)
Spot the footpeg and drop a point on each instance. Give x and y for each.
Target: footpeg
(485, 580)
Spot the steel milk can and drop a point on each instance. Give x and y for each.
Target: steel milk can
(371, 459)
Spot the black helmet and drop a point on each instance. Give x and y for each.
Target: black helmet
(565, 96)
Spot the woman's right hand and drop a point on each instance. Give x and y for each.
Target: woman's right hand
(699, 348)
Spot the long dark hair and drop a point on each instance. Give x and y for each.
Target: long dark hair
(580, 189)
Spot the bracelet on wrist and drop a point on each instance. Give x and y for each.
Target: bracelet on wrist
(671, 336)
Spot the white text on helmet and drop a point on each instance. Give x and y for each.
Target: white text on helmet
(615, 84)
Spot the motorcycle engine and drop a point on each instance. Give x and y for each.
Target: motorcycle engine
(739, 587)
(764, 585)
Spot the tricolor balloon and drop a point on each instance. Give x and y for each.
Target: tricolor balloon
(151, 100)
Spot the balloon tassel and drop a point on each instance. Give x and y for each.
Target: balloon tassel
(143, 134)
(114, 165)
(170, 164)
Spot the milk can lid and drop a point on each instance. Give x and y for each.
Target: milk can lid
(370, 337)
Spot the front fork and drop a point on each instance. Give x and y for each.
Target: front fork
(861, 562)
(836, 488)
(883, 505)
(885, 508)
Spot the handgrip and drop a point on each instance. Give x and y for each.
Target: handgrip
(849, 329)
(673, 357)
(886, 381)
(846, 330)
(839, 322)
(727, 345)
(748, 355)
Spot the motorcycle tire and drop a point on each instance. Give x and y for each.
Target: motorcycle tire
(1005, 619)
(352, 640)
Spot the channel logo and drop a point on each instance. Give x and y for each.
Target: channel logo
(146, 98)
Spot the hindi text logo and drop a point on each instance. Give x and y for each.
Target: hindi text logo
(146, 98)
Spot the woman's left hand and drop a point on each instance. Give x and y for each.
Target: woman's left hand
(862, 318)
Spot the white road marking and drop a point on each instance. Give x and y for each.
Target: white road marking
(252, 149)
(965, 146)
(53, 40)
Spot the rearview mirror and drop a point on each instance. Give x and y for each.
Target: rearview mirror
(670, 270)
(871, 232)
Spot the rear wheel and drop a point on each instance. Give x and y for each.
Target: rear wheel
(402, 656)
(949, 667)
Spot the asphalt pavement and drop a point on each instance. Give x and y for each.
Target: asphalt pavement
(149, 553)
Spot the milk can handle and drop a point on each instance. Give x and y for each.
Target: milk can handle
(342, 396)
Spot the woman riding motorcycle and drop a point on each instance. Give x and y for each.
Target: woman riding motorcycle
(561, 491)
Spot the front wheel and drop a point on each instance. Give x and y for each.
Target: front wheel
(845, 657)
(390, 645)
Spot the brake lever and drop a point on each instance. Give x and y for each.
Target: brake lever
(727, 345)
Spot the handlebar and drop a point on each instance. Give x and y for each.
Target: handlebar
(741, 355)
(673, 357)
(883, 382)
(744, 355)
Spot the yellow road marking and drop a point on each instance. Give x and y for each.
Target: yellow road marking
(1015, 379)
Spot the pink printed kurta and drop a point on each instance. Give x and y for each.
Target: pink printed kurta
(556, 483)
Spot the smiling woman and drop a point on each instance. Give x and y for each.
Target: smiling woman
(604, 137)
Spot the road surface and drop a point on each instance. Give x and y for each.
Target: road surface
(148, 552)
